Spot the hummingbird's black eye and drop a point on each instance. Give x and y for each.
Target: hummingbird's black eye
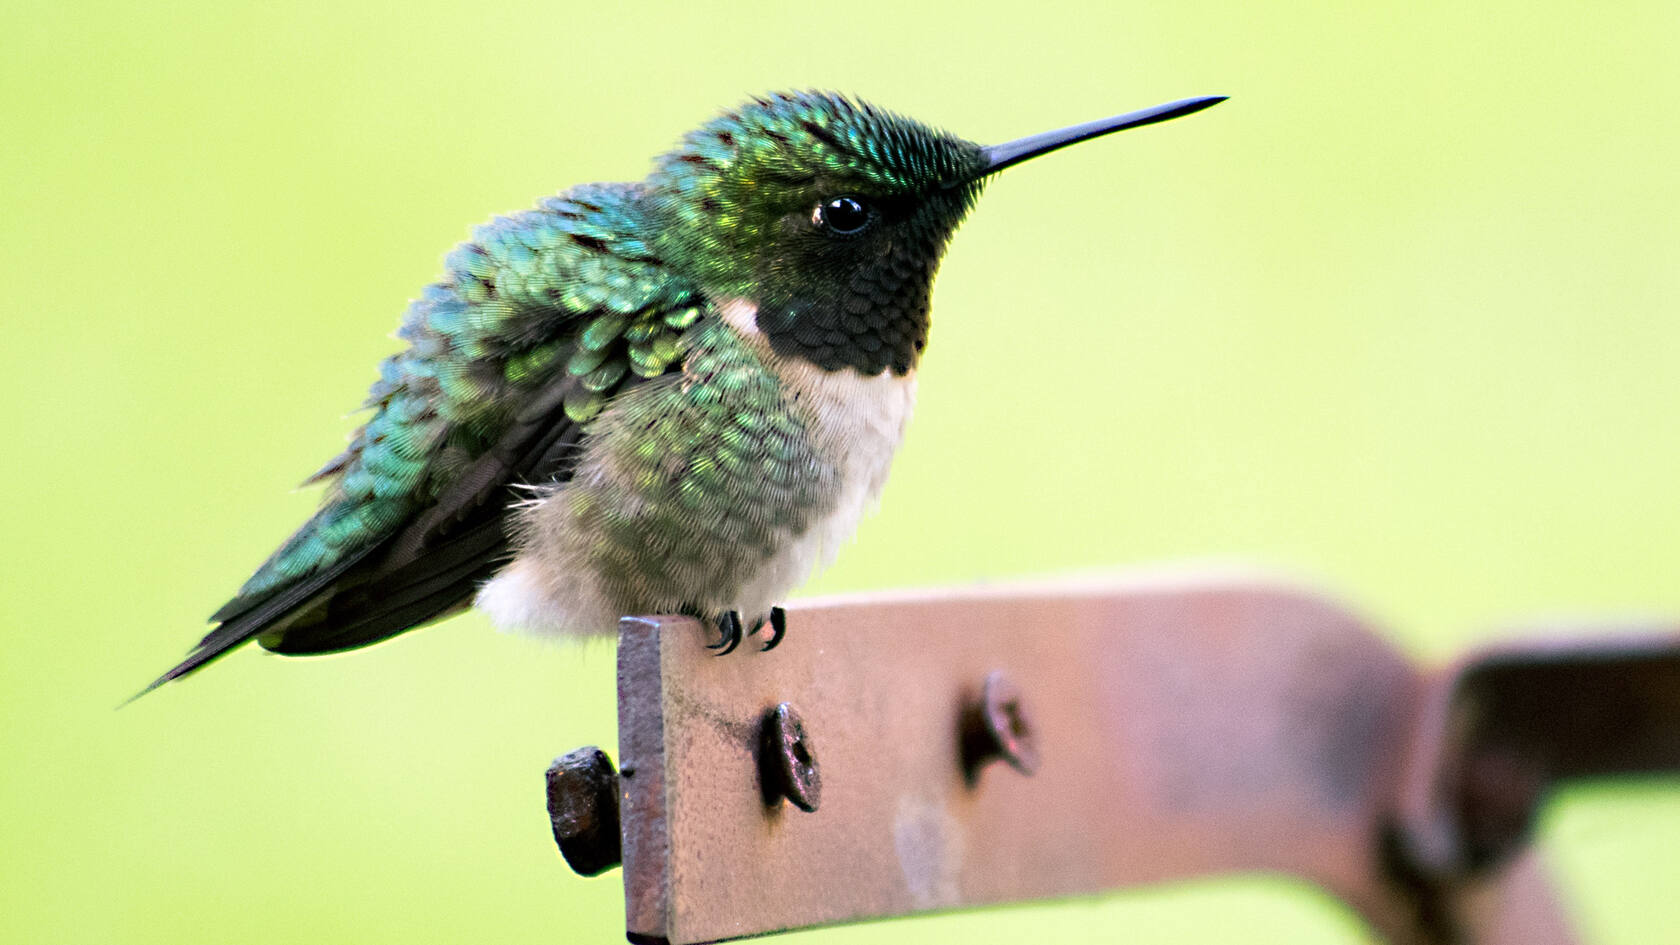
(843, 215)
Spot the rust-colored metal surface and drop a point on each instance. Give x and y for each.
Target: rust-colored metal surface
(917, 752)
(1505, 723)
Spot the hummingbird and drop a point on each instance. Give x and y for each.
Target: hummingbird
(678, 395)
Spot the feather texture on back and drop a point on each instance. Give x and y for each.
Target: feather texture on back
(541, 318)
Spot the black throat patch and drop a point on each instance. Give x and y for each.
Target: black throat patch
(859, 303)
(874, 321)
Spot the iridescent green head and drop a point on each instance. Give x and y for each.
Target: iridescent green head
(831, 217)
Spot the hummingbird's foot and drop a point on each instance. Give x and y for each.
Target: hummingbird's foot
(729, 633)
(778, 629)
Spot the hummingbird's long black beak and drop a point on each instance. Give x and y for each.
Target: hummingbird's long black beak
(1000, 156)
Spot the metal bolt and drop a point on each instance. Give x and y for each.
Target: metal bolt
(997, 726)
(583, 808)
(787, 761)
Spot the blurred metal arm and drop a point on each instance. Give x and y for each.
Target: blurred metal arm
(975, 747)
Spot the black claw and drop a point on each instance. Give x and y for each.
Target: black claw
(778, 629)
(729, 633)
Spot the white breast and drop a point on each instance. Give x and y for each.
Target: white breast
(858, 423)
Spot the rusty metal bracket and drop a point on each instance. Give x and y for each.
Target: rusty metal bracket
(1149, 730)
(1505, 723)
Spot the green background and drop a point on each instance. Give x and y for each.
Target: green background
(1400, 318)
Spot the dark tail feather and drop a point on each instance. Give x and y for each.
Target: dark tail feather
(426, 571)
(433, 567)
(421, 591)
(313, 616)
(319, 639)
(254, 620)
(201, 655)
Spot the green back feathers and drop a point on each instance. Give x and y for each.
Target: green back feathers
(569, 289)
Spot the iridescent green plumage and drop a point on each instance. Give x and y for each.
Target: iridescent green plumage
(568, 287)
(696, 457)
(664, 395)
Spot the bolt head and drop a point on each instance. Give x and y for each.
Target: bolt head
(788, 760)
(583, 810)
(1008, 731)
